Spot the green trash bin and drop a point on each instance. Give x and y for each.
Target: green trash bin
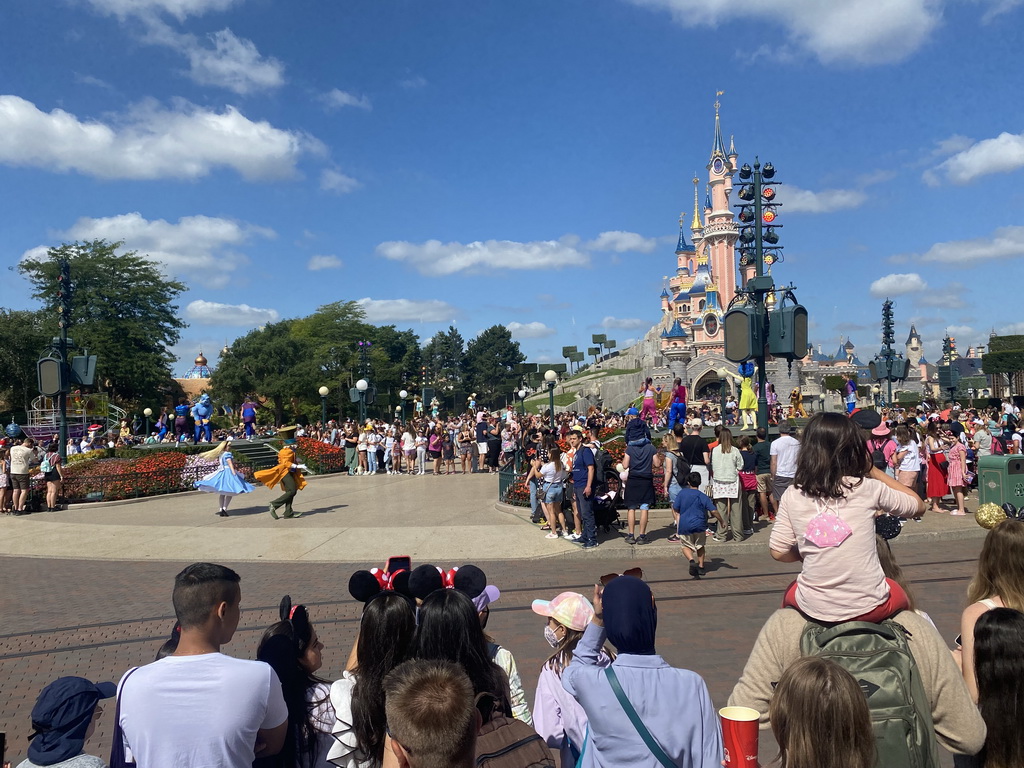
(1001, 479)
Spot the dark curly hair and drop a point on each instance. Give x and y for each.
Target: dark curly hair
(832, 448)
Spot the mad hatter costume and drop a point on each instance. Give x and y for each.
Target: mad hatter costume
(286, 472)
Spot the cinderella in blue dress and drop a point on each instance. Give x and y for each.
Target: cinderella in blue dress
(225, 481)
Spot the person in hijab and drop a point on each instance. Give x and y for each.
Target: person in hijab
(672, 704)
(63, 719)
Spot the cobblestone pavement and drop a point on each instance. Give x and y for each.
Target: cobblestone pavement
(98, 618)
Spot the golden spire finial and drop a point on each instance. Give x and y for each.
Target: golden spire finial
(696, 219)
(718, 104)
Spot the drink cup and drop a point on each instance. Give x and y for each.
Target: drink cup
(739, 736)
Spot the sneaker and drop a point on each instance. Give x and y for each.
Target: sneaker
(674, 537)
(576, 536)
(703, 571)
(630, 539)
(589, 547)
(568, 536)
(748, 531)
(694, 571)
(719, 539)
(709, 532)
(551, 535)
(642, 539)
(273, 511)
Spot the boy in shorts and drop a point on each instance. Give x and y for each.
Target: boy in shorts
(693, 507)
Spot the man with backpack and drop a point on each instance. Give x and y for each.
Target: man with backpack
(913, 686)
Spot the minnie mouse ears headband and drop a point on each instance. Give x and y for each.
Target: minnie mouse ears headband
(421, 581)
(888, 527)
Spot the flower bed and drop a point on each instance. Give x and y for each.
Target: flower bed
(321, 458)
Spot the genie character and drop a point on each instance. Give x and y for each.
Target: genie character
(201, 412)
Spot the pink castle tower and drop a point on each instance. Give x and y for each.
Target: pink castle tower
(706, 274)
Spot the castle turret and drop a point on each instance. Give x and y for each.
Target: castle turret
(914, 348)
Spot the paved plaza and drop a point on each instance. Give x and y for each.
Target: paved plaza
(87, 591)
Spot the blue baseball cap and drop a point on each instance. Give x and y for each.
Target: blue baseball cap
(632, 412)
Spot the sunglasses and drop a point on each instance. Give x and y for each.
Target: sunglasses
(637, 572)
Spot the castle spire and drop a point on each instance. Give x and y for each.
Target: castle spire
(696, 218)
(682, 246)
(718, 150)
(732, 146)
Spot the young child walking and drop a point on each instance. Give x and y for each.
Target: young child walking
(693, 506)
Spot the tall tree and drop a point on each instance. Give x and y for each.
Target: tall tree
(124, 312)
(271, 363)
(444, 358)
(490, 360)
(23, 338)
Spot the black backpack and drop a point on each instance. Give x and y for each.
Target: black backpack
(681, 469)
(878, 456)
(601, 461)
(878, 657)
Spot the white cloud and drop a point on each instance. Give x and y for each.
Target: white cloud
(532, 330)
(231, 63)
(865, 32)
(407, 310)
(337, 182)
(180, 9)
(1012, 329)
(898, 285)
(626, 323)
(1003, 154)
(998, 7)
(197, 248)
(1005, 243)
(798, 200)
(413, 81)
(149, 142)
(316, 263)
(438, 259)
(623, 242)
(336, 99)
(213, 313)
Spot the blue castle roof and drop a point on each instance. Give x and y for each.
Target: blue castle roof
(675, 332)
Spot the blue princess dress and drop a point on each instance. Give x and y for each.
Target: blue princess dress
(224, 481)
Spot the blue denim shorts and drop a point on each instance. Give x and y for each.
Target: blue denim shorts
(552, 493)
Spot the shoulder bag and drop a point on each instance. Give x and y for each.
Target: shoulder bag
(634, 718)
(117, 758)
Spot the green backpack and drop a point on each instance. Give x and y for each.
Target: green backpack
(878, 657)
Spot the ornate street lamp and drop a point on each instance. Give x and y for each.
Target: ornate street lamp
(147, 413)
(552, 379)
(362, 385)
(324, 392)
(522, 400)
(403, 394)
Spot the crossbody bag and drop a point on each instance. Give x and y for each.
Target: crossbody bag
(634, 718)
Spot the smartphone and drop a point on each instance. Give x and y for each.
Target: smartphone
(399, 563)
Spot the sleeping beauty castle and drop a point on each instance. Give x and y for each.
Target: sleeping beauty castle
(689, 340)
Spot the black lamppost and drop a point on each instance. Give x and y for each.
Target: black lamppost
(552, 379)
(522, 400)
(403, 394)
(324, 392)
(362, 385)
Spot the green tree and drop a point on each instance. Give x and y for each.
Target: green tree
(271, 363)
(23, 338)
(490, 365)
(124, 312)
(444, 356)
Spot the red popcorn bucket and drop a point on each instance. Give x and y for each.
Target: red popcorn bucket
(739, 736)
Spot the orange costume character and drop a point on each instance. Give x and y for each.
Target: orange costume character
(286, 472)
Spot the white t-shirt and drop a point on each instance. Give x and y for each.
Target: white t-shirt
(21, 459)
(912, 460)
(552, 472)
(408, 443)
(786, 448)
(200, 711)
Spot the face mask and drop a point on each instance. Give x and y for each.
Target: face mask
(551, 637)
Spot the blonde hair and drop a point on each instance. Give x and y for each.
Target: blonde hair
(1001, 566)
(725, 440)
(215, 453)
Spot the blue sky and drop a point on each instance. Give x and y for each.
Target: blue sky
(522, 163)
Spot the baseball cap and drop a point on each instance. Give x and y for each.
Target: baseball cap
(632, 412)
(570, 609)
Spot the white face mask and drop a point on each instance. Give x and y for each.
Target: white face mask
(551, 637)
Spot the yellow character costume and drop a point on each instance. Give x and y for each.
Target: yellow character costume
(286, 473)
(748, 400)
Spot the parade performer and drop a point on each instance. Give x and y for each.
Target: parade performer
(286, 472)
(677, 408)
(180, 420)
(226, 481)
(748, 400)
(649, 409)
(796, 403)
(249, 417)
(202, 410)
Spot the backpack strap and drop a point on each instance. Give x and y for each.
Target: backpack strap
(117, 756)
(634, 718)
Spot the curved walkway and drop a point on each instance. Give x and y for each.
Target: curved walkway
(347, 519)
